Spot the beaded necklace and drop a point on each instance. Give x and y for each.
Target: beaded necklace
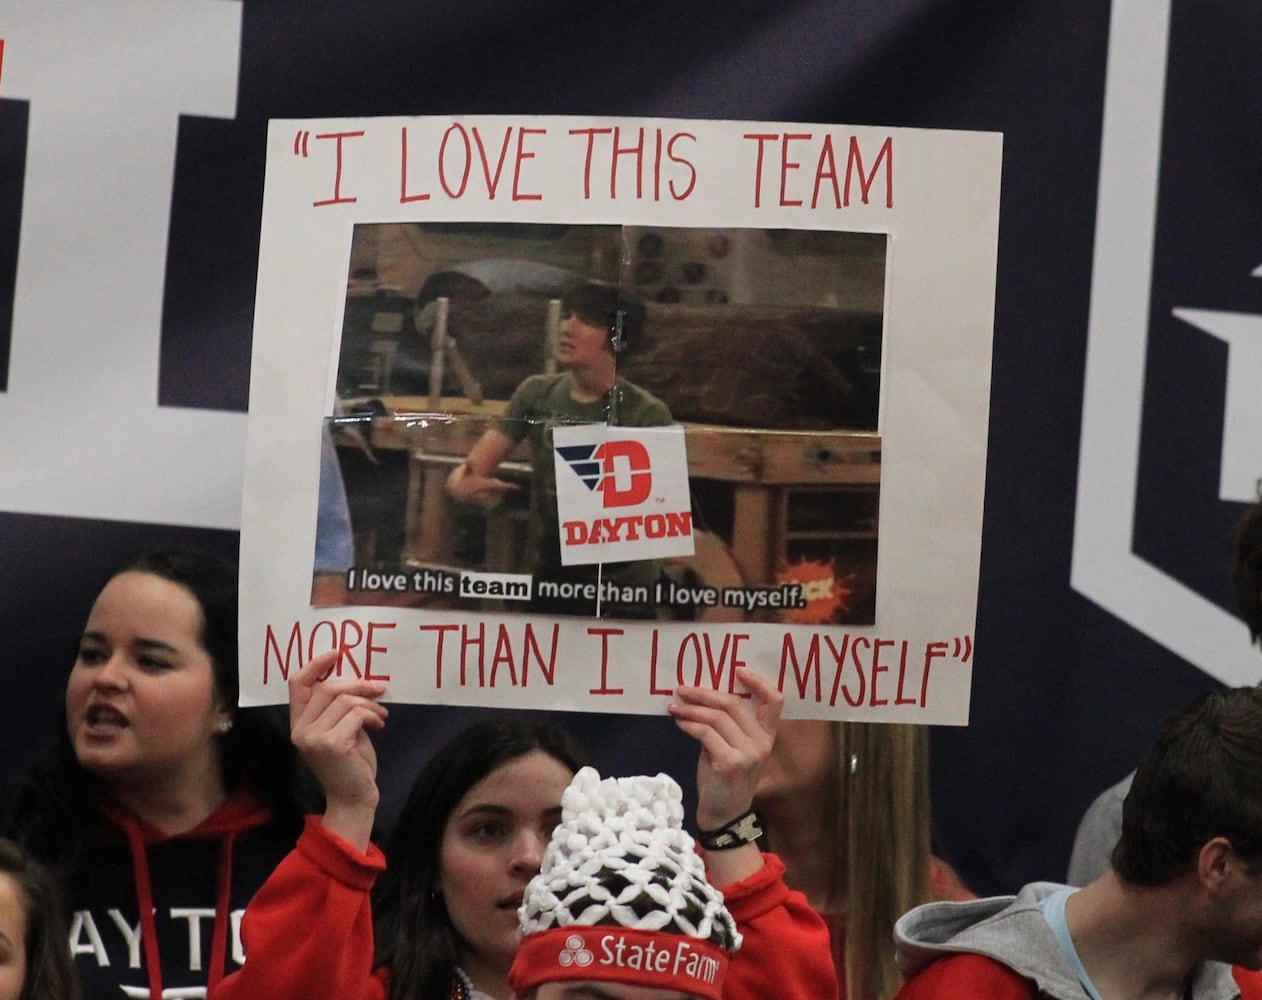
(461, 986)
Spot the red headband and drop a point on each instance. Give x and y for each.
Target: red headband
(619, 955)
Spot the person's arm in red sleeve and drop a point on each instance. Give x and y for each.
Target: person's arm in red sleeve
(308, 931)
(785, 953)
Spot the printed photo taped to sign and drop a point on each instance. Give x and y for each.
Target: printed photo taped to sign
(838, 557)
(746, 380)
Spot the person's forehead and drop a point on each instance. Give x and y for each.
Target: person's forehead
(526, 787)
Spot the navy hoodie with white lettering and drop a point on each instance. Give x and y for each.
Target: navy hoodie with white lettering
(159, 916)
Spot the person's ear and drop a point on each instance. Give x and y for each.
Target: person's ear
(1214, 862)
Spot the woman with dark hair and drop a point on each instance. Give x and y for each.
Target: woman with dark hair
(443, 921)
(493, 793)
(34, 961)
(163, 806)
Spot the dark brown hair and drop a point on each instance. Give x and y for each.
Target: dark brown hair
(611, 308)
(51, 809)
(50, 973)
(1202, 779)
(415, 937)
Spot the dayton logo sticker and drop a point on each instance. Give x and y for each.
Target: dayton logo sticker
(598, 466)
(622, 493)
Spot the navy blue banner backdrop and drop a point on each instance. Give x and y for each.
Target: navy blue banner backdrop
(1123, 412)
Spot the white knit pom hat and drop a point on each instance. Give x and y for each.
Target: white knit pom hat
(622, 895)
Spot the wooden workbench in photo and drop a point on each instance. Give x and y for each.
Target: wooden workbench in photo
(780, 492)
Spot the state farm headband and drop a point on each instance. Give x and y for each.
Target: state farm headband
(661, 959)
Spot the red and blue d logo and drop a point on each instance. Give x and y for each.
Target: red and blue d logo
(619, 469)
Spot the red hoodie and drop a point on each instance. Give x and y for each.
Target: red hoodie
(157, 912)
(309, 932)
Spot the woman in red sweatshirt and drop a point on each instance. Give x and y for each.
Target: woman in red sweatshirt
(163, 807)
(469, 839)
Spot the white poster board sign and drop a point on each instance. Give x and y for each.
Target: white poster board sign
(819, 304)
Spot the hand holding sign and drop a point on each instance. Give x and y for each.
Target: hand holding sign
(329, 720)
(736, 733)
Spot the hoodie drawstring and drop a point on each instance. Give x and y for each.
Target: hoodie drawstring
(219, 942)
(144, 901)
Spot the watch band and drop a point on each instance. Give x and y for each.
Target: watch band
(740, 831)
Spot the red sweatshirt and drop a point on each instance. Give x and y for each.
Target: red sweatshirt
(156, 915)
(309, 932)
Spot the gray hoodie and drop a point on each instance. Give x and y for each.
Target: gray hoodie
(1011, 930)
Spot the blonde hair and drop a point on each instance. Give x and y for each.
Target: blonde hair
(884, 816)
(876, 801)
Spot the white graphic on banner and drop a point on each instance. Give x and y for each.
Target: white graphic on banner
(1105, 568)
(1242, 445)
(81, 407)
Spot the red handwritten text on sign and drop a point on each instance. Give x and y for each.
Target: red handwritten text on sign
(359, 644)
(782, 155)
(636, 163)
